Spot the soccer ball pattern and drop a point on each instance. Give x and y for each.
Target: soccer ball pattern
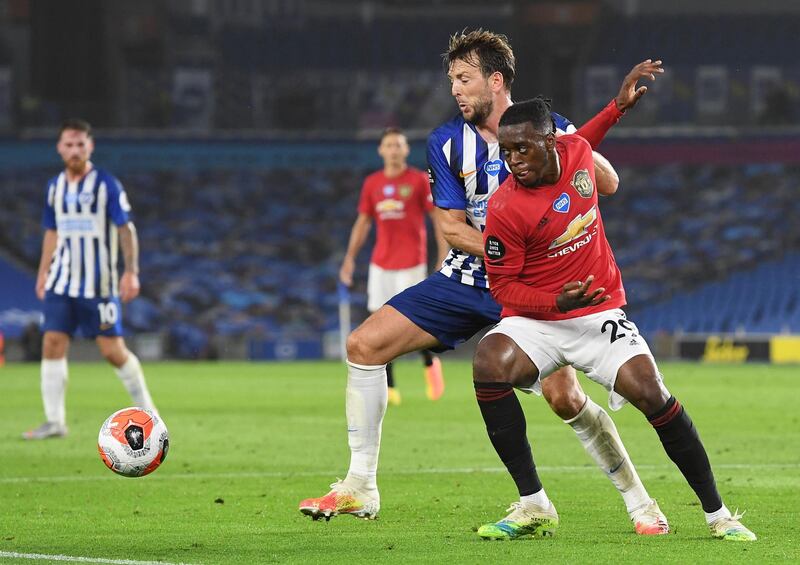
(133, 442)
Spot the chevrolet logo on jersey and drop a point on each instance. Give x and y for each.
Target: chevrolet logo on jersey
(390, 205)
(583, 183)
(576, 228)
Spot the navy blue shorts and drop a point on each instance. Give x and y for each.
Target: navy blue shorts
(450, 311)
(93, 316)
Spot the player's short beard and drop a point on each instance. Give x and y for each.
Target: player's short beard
(76, 166)
(481, 111)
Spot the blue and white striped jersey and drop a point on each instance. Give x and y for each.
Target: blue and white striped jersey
(464, 172)
(85, 215)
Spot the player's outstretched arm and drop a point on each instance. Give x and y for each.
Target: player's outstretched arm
(129, 286)
(605, 175)
(629, 95)
(596, 128)
(49, 243)
(458, 233)
(358, 236)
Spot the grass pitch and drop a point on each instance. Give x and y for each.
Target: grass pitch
(249, 441)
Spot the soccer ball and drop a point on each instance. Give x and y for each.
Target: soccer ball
(133, 442)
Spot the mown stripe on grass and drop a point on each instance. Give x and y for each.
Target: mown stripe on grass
(426, 471)
(80, 559)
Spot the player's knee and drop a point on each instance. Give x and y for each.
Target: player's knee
(492, 361)
(112, 357)
(114, 352)
(359, 349)
(565, 398)
(651, 398)
(639, 383)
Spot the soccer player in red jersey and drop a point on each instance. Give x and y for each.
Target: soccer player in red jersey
(552, 270)
(397, 198)
(452, 305)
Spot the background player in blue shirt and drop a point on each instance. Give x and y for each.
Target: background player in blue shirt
(454, 304)
(86, 221)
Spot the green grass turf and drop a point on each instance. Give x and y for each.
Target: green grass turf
(260, 437)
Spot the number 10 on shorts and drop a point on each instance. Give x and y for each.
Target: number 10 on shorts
(108, 313)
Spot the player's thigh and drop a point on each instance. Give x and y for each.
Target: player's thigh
(446, 309)
(498, 358)
(601, 345)
(384, 336)
(563, 392)
(639, 382)
(531, 340)
(55, 344)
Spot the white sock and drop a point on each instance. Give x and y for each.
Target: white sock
(54, 386)
(538, 498)
(132, 378)
(600, 439)
(714, 516)
(367, 396)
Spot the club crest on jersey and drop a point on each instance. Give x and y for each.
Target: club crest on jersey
(86, 198)
(388, 190)
(583, 183)
(561, 203)
(493, 168)
(404, 191)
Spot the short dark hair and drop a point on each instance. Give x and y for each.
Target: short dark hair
(492, 51)
(536, 111)
(76, 124)
(391, 130)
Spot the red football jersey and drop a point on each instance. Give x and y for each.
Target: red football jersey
(398, 205)
(547, 236)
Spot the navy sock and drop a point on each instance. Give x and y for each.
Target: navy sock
(427, 357)
(506, 426)
(682, 444)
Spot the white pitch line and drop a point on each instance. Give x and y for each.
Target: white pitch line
(79, 559)
(435, 471)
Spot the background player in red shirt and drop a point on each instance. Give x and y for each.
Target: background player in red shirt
(545, 248)
(397, 199)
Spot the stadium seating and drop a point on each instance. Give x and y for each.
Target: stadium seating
(256, 253)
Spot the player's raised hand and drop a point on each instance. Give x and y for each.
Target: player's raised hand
(129, 286)
(576, 295)
(346, 271)
(628, 93)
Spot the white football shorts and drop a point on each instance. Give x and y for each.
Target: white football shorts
(597, 344)
(383, 284)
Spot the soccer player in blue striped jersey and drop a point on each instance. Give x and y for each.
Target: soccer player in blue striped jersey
(454, 304)
(477, 171)
(86, 221)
